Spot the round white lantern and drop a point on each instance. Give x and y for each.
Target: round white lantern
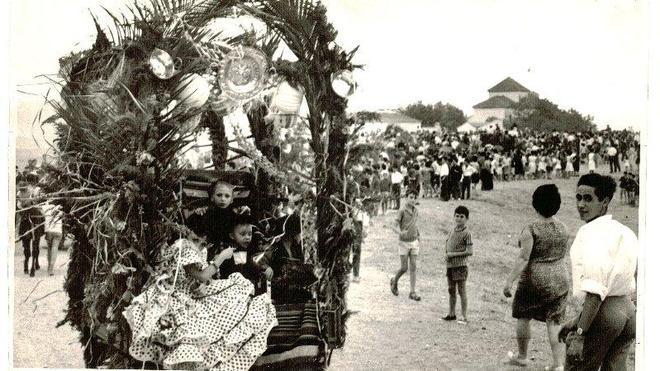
(287, 99)
(343, 83)
(193, 91)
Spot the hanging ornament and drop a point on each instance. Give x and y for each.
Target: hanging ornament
(343, 83)
(287, 99)
(166, 113)
(193, 91)
(243, 73)
(163, 65)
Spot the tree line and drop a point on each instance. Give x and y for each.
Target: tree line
(530, 112)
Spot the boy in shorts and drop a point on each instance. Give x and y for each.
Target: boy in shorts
(458, 248)
(406, 227)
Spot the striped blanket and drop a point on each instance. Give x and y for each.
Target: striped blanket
(295, 342)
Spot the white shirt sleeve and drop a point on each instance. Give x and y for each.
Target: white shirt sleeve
(604, 258)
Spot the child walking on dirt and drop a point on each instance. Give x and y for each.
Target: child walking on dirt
(406, 227)
(458, 248)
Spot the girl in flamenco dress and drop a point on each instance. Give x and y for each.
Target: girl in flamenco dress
(184, 319)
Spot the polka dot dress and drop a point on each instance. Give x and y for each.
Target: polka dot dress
(184, 325)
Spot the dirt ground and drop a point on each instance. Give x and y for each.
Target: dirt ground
(39, 303)
(396, 333)
(386, 332)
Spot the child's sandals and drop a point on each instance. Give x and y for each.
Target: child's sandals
(393, 287)
(449, 318)
(515, 361)
(414, 296)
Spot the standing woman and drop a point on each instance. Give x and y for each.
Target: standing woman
(542, 274)
(519, 172)
(486, 176)
(591, 158)
(569, 164)
(604, 263)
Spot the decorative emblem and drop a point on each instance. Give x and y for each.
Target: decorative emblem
(243, 73)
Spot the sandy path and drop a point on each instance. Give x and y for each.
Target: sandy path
(37, 342)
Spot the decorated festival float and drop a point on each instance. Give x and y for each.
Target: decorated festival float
(133, 105)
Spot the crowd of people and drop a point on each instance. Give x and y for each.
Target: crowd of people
(35, 220)
(452, 165)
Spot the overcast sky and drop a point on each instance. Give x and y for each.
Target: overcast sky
(582, 54)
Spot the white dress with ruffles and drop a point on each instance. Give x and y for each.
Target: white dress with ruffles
(219, 325)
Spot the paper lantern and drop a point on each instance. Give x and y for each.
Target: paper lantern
(287, 99)
(193, 91)
(343, 83)
(163, 65)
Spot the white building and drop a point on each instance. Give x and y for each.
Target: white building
(392, 117)
(491, 113)
(490, 126)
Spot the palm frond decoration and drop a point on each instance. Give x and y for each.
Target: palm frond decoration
(121, 131)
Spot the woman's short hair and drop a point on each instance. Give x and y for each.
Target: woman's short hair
(546, 200)
(604, 185)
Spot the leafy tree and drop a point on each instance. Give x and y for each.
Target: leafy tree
(541, 114)
(447, 115)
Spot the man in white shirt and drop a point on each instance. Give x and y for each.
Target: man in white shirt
(435, 176)
(612, 157)
(397, 179)
(604, 263)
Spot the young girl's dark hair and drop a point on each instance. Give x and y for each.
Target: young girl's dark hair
(238, 219)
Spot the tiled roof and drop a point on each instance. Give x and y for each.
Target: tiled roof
(508, 85)
(497, 101)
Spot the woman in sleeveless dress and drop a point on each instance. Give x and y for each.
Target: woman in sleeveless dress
(543, 278)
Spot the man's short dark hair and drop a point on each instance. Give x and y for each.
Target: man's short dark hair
(462, 210)
(604, 185)
(546, 200)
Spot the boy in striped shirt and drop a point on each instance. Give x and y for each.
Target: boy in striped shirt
(458, 248)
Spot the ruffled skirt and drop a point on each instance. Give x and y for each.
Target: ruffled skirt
(219, 326)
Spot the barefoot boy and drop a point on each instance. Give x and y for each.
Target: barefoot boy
(458, 248)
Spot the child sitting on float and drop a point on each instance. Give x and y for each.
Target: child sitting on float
(284, 266)
(186, 319)
(213, 221)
